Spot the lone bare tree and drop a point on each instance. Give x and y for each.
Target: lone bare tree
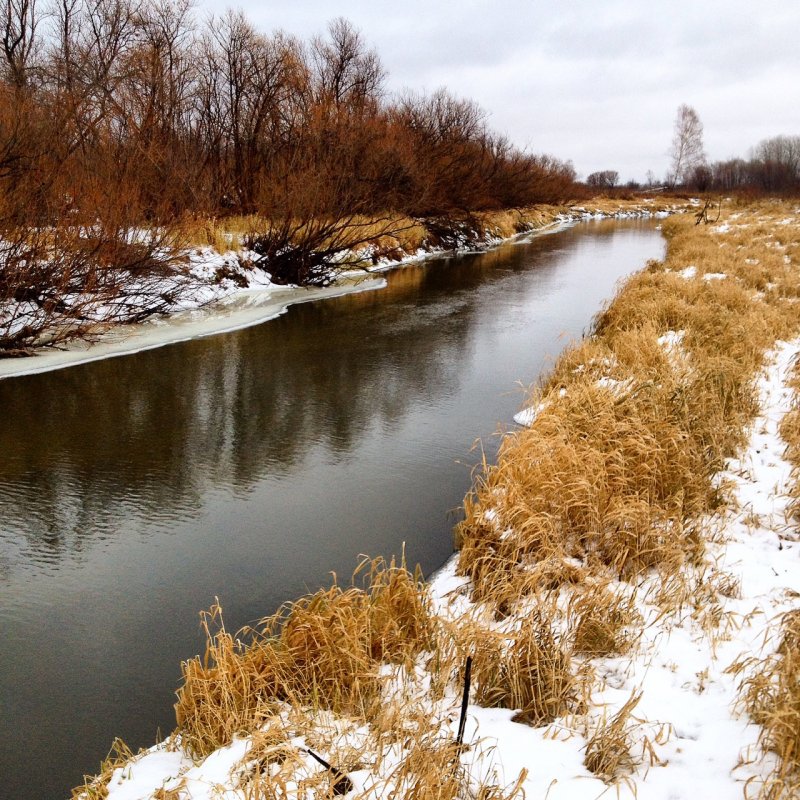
(605, 179)
(687, 145)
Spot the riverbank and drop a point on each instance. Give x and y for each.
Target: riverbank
(229, 294)
(615, 565)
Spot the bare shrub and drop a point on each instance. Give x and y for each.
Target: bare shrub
(66, 282)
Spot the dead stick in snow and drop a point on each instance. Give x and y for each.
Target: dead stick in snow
(342, 784)
(464, 703)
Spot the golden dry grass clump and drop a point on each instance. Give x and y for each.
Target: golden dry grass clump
(608, 749)
(604, 622)
(771, 695)
(600, 477)
(790, 433)
(324, 650)
(527, 668)
(631, 426)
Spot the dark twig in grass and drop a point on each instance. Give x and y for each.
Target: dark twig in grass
(464, 703)
(342, 784)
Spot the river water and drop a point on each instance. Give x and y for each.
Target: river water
(248, 466)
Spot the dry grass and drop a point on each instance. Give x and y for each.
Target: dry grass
(95, 787)
(599, 478)
(431, 770)
(771, 695)
(604, 622)
(608, 750)
(510, 222)
(222, 234)
(609, 483)
(528, 669)
(324, 650)
(616, 469)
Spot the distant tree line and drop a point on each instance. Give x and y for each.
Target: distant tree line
(773, 167)
(604, 179)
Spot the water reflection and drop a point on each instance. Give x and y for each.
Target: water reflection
(147, 435)
(248, 465)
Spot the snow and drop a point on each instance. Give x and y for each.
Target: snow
(239, 309)
(671, 340)
(688, 273)
(226, 291)
(693, 740)
(528, 415)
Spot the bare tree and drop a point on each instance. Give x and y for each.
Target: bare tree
(687, 145)
(605, 179)
(346, 72)
(18, 22)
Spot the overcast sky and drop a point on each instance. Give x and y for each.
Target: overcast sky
(595, 82)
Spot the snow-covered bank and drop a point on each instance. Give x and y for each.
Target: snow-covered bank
(235, 310)
(621, 573)
(228, 293)
(689, 736)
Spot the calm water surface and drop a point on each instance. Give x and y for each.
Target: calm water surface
(247, 466)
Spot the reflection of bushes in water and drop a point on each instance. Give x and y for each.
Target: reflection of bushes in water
(217, 410)
(227, 409)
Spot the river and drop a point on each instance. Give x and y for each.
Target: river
(247, 466)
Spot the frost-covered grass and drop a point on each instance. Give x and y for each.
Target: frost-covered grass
(627, 585)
